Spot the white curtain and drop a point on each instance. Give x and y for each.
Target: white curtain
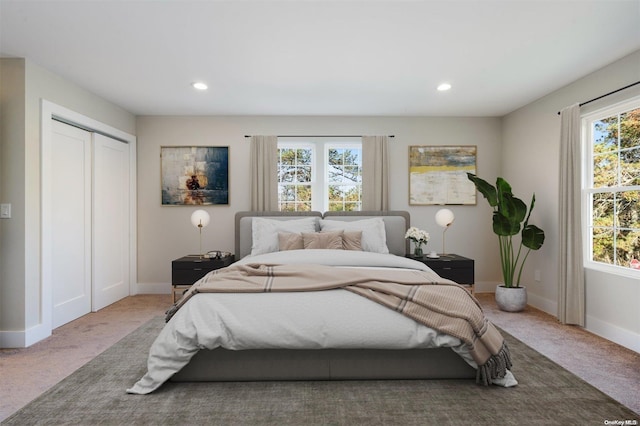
(264, 173)
(571, 295)
(375, 173)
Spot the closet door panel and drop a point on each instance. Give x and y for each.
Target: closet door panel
(71, 223)
(110, 221)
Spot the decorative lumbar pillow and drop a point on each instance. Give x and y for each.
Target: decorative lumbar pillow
(352, 240)
(264, 232)
(289, 241)
(323, 240)
(374, 236)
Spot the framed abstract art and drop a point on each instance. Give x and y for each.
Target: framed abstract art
(194, 175)
(438, 175)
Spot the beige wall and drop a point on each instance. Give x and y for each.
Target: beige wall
(20, 290)
(12, 153)
(165, 233)
(531, 163)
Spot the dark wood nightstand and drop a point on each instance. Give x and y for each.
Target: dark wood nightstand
(453, 267)
(189, 269)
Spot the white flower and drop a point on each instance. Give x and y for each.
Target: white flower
(416, 235)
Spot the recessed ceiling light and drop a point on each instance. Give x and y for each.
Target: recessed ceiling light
(199, 85)
(444, 87)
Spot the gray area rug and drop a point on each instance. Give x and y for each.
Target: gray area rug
(95, 394)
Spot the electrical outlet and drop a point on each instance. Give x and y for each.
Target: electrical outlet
(5, 211)
(536, 275)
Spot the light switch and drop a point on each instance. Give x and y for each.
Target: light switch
(5, 211)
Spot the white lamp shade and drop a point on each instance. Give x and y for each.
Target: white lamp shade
(444, 217)
(200, 218)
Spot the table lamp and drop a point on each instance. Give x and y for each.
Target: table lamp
(444, 218)
(200, 219)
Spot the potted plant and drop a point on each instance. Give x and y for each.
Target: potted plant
(510, 217)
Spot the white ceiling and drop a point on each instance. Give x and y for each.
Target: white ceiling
(318, 57)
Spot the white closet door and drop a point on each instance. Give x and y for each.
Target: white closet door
(110, 221)
(71, 223)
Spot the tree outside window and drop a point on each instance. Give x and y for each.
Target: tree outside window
(345, 179)
(295, 177)
(615, 189)
(323, 175)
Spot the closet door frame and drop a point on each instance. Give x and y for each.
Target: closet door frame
(49, 111)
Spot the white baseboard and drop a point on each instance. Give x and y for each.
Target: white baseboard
(12, 339)
(619, 335)
(25, 338)
(545, 305)
(153, 288)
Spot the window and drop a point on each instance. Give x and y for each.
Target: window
(613, 185)
(296, 171)
(344, 178)
(320, 175)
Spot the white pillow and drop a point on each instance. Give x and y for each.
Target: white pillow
(374, 236)
(264, 232)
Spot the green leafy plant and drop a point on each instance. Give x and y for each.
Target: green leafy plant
(510, 217)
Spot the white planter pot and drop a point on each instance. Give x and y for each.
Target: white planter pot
(511, 299)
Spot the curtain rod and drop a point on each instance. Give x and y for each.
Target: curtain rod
(607, 94)
(320, 136)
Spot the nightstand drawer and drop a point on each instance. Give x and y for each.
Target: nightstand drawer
(188, 276)
(451, 266)
(459, 275)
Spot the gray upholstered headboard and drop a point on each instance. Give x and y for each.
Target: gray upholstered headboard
(396, 224)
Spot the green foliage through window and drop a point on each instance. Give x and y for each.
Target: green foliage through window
(615, 189)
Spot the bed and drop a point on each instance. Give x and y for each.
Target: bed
(310, 325)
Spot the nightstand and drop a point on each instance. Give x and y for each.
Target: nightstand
(189, 269)
(453, 267)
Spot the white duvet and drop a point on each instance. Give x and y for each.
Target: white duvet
(306, 320)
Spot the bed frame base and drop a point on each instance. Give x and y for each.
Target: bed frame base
(325, 364)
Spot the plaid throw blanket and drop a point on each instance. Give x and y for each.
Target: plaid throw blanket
(421, 295)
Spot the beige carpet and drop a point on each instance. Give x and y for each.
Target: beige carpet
(26, 373)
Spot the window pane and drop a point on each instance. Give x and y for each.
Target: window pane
(353, 157)
(353, 173)
(303, 174)
(603, 245)
(303, 207)
(627, 247)
(605, 170)
(285, 174)
(335, 174)
(335, 193)
(287, 156)
(303, 193)
(335, 206)
(603, 210)
(304, 156)
(630, 129)
(287, 193)
(605, 135)
(336, 156)
(628, 209)
(630, 167)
